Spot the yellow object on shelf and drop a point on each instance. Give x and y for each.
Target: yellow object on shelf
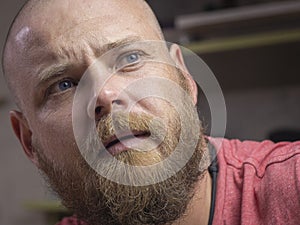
(45, 206)
(52, 210)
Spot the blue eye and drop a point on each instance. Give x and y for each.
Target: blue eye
(128, 60)
(132, 58)
(65, 84)
(62, 86)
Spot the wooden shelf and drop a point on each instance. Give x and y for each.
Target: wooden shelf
(245, 41)
(244, 16)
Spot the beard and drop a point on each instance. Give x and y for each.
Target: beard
(98, 200)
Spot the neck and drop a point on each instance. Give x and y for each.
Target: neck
(198, 209)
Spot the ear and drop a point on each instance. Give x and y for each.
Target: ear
(176, 55)
(23, 133)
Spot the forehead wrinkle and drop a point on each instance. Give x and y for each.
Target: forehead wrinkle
(88, 50)
(79, 28)
(63, 42)
(116, 44)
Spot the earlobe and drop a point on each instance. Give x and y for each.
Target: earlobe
(176, 55)
(23, 133)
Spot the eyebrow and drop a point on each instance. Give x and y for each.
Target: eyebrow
(52, 72)
(109, 46)
(56, 70)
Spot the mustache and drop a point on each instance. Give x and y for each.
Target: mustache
(130, 124)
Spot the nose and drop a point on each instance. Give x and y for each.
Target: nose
(111, 97)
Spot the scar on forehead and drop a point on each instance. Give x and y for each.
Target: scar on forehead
(22, 36)
(29, 37)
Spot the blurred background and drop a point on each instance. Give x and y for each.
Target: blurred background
(252, 47)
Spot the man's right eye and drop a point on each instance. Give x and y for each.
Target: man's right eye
(65, 84)
(62, 86)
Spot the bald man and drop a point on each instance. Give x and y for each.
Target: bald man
(107, 112)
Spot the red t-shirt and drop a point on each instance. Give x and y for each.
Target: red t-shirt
(258, 183)
(71, 221)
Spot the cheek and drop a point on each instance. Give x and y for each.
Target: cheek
(54, 135)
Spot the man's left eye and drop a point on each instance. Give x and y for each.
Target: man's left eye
(132, 58)
(128, 60)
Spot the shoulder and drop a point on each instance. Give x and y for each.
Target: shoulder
(259, 178)
(259, 155)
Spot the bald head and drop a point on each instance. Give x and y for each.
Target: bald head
(42, 22)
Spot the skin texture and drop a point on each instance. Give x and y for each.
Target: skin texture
(39, 40)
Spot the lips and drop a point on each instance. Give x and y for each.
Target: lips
(115, 145)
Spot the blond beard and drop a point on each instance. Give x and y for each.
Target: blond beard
(99, 200)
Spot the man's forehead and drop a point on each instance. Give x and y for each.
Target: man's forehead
(52, 21)
(58, 12)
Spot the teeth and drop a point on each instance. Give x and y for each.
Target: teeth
(124, 138)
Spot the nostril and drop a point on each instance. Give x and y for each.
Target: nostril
(98, 110)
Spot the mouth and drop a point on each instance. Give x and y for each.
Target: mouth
(115, 145)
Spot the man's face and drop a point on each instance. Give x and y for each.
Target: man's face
(63, 43)
(58, 55)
